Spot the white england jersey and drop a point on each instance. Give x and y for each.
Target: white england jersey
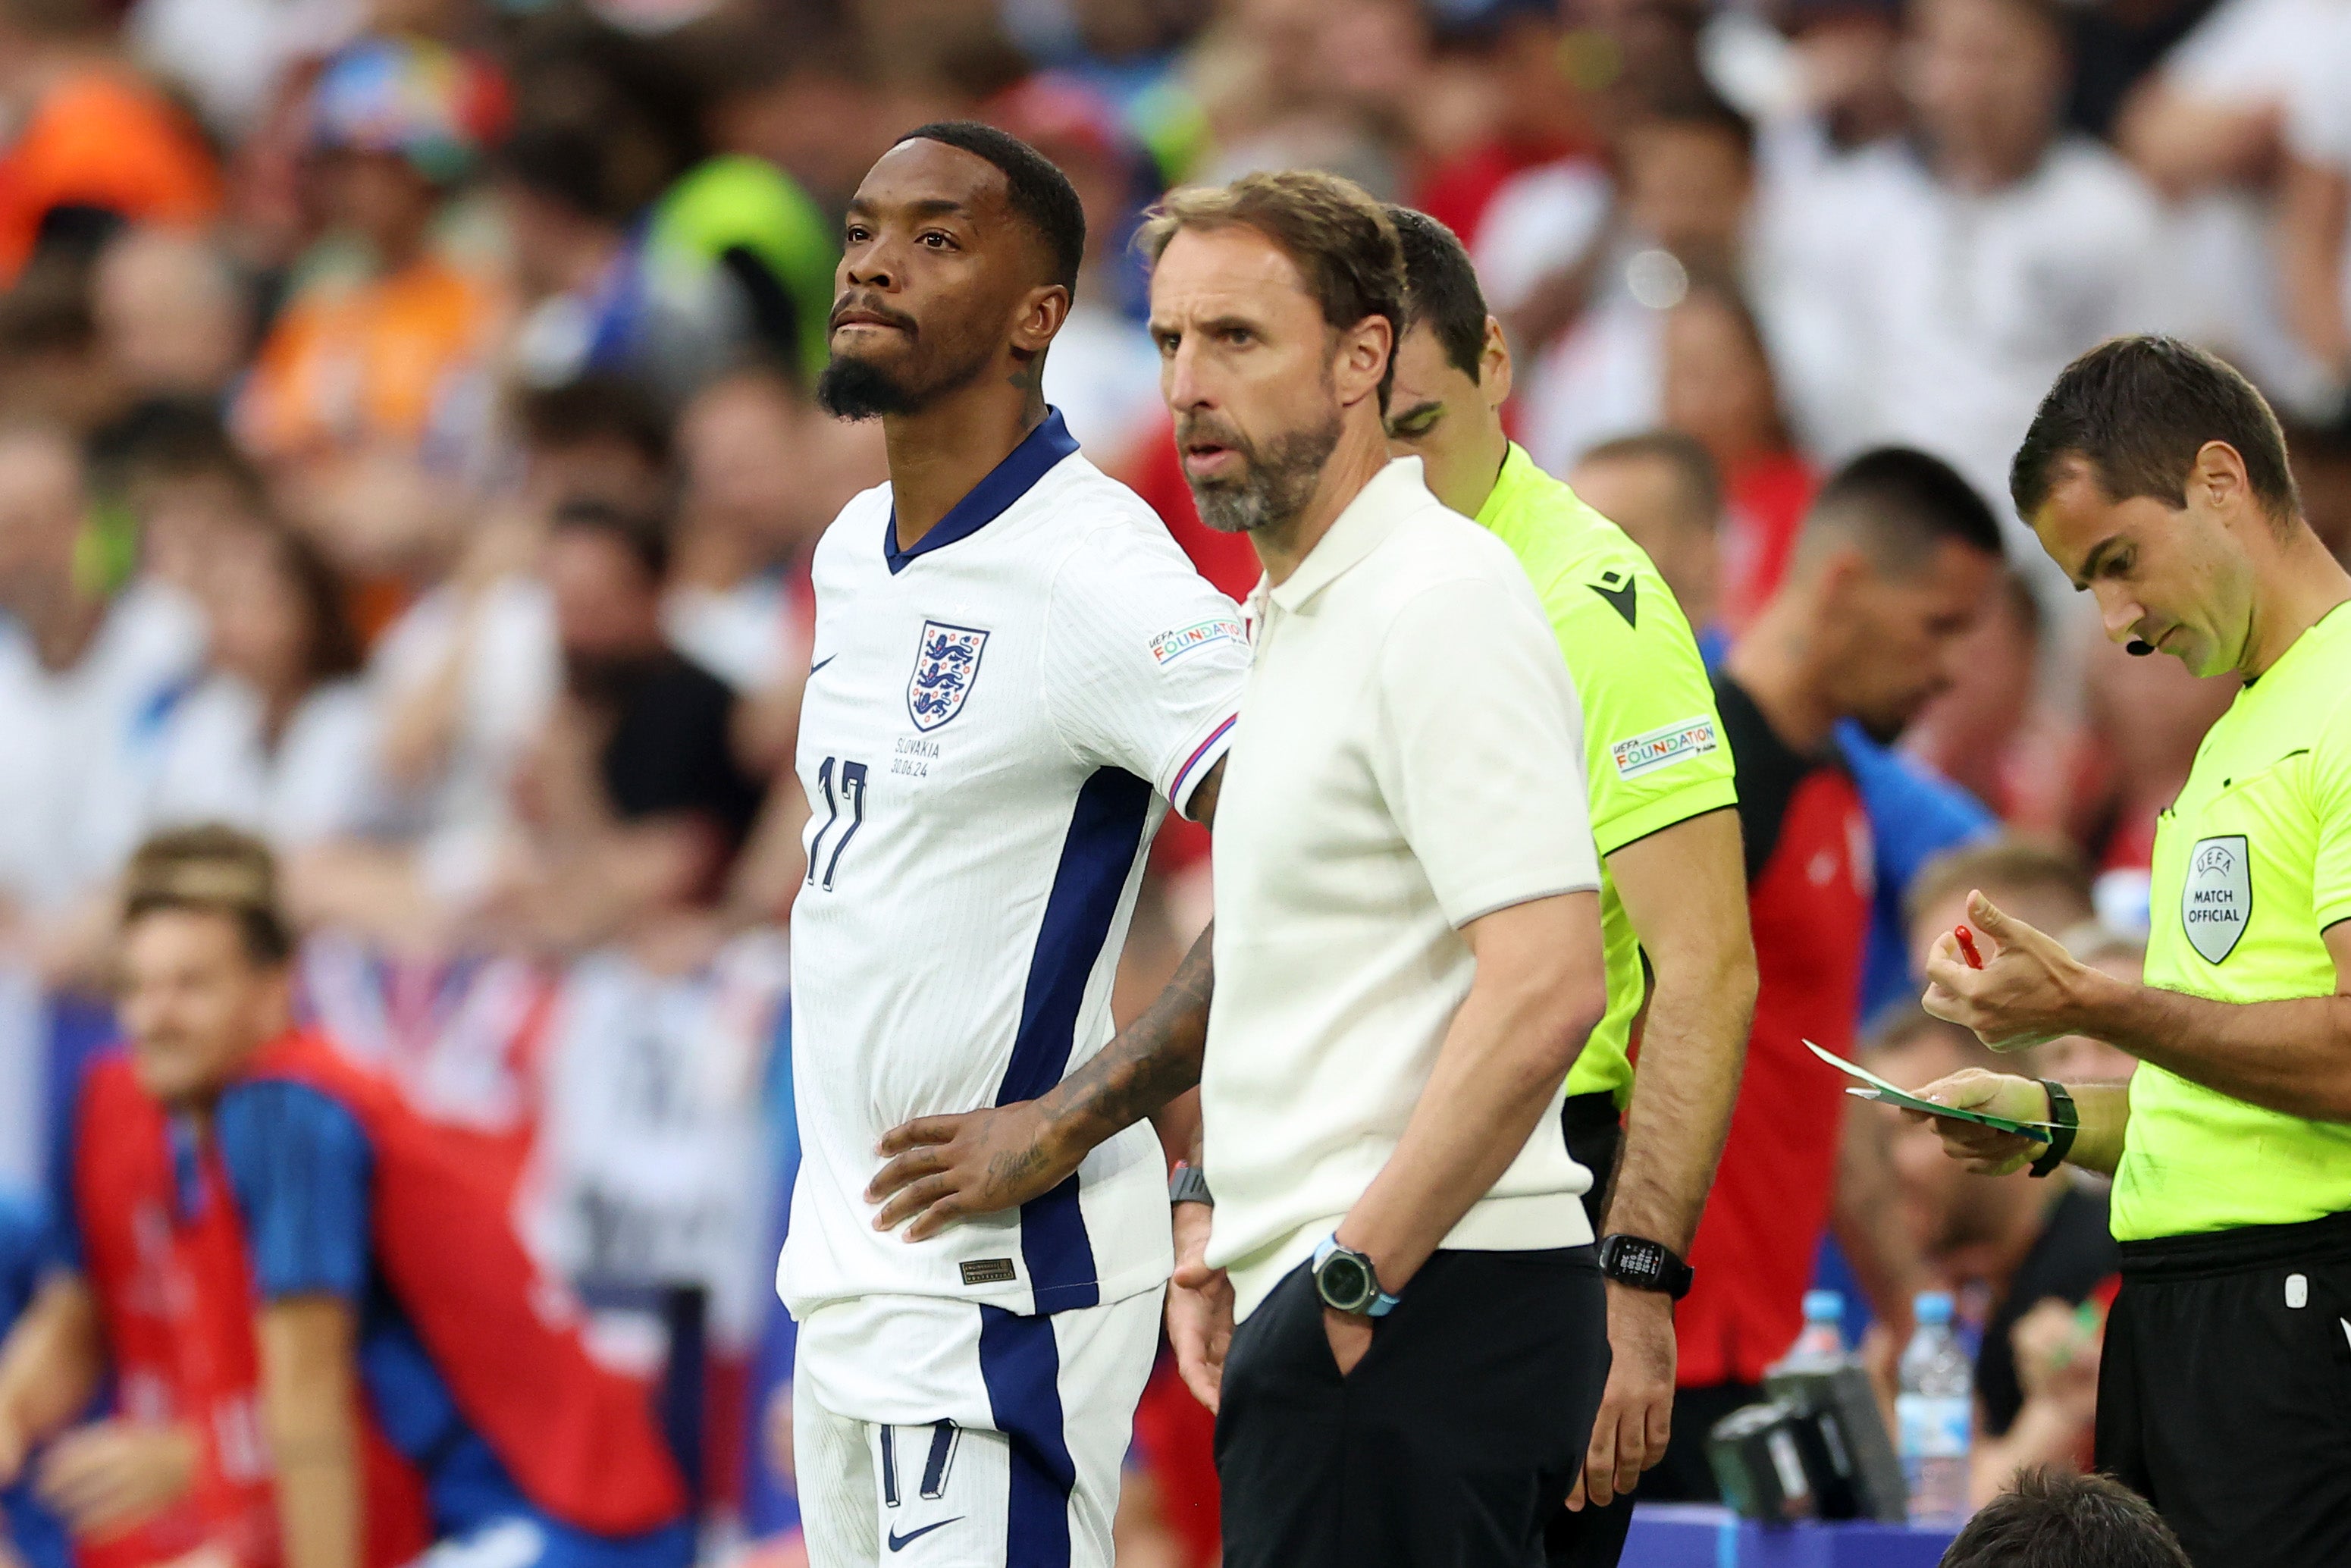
(995, 723)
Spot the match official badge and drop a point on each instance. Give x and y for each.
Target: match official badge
(2216, 903)
(946, 664)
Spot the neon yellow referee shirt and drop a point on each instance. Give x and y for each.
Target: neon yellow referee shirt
(2253, 863)
(1653, 753)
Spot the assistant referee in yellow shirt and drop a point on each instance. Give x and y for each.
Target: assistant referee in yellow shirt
(2156, 477)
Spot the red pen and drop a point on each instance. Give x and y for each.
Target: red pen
(1968, 946)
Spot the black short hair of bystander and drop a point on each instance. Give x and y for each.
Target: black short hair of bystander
(1440, 288)
(1900, 504)
(2048, 1519)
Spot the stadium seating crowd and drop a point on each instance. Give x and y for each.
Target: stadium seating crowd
(406, 452)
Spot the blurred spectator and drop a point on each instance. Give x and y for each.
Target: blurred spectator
(1955, 275)
(30, 1535)
(1986, 734)
(1663, 489)
(1584, 274)
(174, 321)
(2012, 1243)
(1889, 572)
(2052, 1520)
(1719, 387)
(599, 297)
(1504, 57)
(2313, 216)
(183, 483)
(394, 362)
(92, 144)
(279, 737)
(1103, 371)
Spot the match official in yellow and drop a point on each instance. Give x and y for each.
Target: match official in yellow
(2157, 478)
(1673, 884)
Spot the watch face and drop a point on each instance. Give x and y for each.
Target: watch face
(1637, 1260)
(1345, 1282)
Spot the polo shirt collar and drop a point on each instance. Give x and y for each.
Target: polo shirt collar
(1038, 453)
(1393, 491)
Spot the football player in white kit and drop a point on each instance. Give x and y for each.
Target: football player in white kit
(1015, 674)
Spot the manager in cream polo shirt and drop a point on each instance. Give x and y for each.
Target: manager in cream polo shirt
(1408, 947)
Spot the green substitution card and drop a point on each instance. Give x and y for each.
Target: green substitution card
(1885, 1093)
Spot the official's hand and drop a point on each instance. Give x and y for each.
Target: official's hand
(1199, 1308)
(111, 1475)
(1636, 1410)
(2029, 990)
(946, 1169)
(1986, 1150)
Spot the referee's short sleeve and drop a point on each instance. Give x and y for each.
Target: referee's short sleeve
(302, 1169)
(2330, 806)
(1144, 660)
(1478, 751)
(1653, 743)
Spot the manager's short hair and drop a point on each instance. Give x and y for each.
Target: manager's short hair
(2133, 412)
(212, 869)
(1338, 236)
(2052, 1520)
(1040, 194)
(1899, 505)
(1440, 288)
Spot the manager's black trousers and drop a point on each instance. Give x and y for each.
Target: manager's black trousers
(1447, 1447)
(2224, 1391)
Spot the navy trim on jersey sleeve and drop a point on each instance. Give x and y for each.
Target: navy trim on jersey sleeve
(302, 1169)
(1040, 451)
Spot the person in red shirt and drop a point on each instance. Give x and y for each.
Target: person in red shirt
(318, 1317)
(1892, 567)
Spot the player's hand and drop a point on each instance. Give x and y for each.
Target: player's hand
(946, 1169)
(2029, 990)
(1636, 1410)
(1986, 1150)
(1199, 1308)
(111, 1475)
(13, 1449)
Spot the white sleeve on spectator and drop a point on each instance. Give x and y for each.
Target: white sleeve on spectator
(1143, 660)
(1479, 752)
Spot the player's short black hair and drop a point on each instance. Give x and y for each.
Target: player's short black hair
(2052, 1520)
(2133, 412)
(1685, 456)
(1440, 287)
(1040, 194)
(1900, 502)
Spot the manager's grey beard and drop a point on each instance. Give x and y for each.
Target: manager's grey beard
(1274, 485)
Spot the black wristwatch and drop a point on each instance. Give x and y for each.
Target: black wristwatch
(1186, 1184)
(2062, 1111)
(1346, 1280)
(1644, 1265)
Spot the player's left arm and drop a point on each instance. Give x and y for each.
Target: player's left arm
(310, 1412)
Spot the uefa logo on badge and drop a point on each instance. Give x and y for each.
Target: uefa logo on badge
(2216, 900)
(946, 664)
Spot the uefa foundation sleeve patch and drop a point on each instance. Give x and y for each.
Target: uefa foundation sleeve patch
(1169, 646)
(1661, 748)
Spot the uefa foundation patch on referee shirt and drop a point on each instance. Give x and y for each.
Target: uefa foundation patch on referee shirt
(1663, 748)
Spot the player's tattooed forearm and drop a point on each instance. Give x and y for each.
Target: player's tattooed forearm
(1153, 1059)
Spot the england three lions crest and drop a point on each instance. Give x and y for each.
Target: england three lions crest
(945, 665)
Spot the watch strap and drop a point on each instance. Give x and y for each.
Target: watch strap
(1659, 1269)
(2068, 1119)
(1187, 1184)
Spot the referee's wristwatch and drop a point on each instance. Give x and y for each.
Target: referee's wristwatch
(2068, 1122)
(1644, 1265)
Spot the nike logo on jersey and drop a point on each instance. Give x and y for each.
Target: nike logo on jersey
(1620, 590)
(821, 663)
(900, 1543)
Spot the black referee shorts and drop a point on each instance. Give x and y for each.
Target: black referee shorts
(2224, 1392)
(1451, 1442)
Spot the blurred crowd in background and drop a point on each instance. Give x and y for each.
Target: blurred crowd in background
(406, 452)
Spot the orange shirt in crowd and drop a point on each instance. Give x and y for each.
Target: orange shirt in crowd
(397, 361)
(107, 140)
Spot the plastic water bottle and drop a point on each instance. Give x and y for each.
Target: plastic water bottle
(1936, 1413)
(1821, 1346)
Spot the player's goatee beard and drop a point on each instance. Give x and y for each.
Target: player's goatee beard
(1273, 485)
(854, 388)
